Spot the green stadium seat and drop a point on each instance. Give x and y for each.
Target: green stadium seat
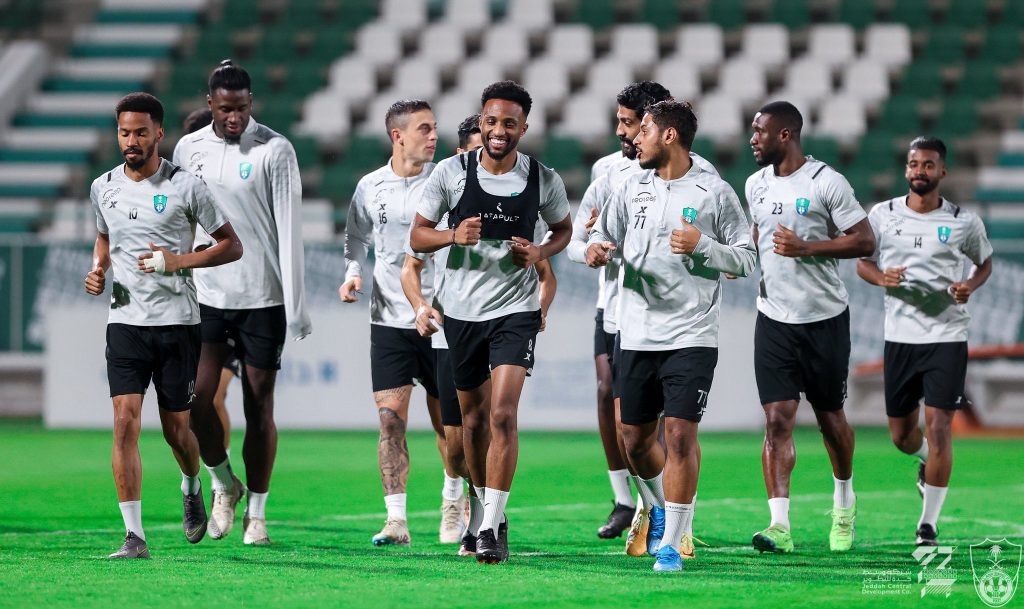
(945, 44)
(900, 115)
(664, 14)
(1011, 159)
(966, 13)
(729, 14)
(562, 153)
(304, 78)
(307, 150)
(822, 148)
(1013, 13)
(923, 79)
(876, 152)
(1002, 43)
(959, 115)
(980, 79)
(914, 13)
(598, 14)
(858, 13)
(705, 147)
(278, 112)
(794, 14)
(859, 178)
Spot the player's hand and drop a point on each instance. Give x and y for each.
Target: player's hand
(543, 321)
(592, 221)
(524, 253)
(95, 280)
(730, 276)
(684, 240)
(893, 277)
(787, 243)
(348, 290)
(961, 292)
(428, 320)
(598, 254)
(468, 231)
(159, 260)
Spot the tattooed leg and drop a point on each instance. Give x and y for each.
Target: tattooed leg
(392, 450)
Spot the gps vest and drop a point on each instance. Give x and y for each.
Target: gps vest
(501, 217)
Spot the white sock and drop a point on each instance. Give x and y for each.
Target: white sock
(922, 453)
(643, 493)
(494, 509)
(933, 498)
(396, 506)
(476, 514)
(678, 517)
(657, 490)
(131, 512)
(190, 485)
(779, 507)
(620, 486)
(256, 505)
(452, 489)
(842, 496)
(689, 521)
(222, 476)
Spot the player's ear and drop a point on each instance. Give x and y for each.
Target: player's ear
(525, 127)
(160, 134)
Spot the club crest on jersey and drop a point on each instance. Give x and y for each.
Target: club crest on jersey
(159, 203)
(802, 206)
(689, 214)
(245, 170)
(944, 232)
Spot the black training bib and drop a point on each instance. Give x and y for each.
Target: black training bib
(501, 217)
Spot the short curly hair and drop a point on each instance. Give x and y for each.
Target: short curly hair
(508, 90)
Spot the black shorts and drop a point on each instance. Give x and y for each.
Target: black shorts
(614, 360)
(451, 413)
(477, 347)
(234, 366)
(812, 358)
(167, 355)
(257, 335)
(676, 382)
(399, 357)
(935, 372)
(604, 342)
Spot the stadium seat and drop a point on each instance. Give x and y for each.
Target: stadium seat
(720, 117)
(532, 15)
(742, 79)
(729, 14)
(467, 14)
(842, 118)
(635, 44)
(923, 79)
(966, 13)
(1002, 43)
(352, 80)
(888, 44)
(378, 44)
(450, 110)
(832, 44)
(404, 14)
(980, 79)
(442, 43)
(571, 44)
(959, 115)
(506, 45)
(595, 14)
(867, 81)
(945, 44)
(547, 80)
(900, 115)
(700, 44)
(663, 14)
(325, 117)
(857, 13)
(606, 78)
(766, 44)
(586, 117)
(681, 77)
(476, 74)
(808, 79)
(415, 79)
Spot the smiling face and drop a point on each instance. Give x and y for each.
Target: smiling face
(138, 136)
(650, 144)
(418, 138)
(925, 169)
(627, 126)
(231, 111)
(768, 140)
(502, 124)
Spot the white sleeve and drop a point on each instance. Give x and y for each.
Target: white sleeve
(358, 231)
(101, 223)
(732, 251)
(554, 203)
(435, 200)
(840, 200)
(611, 223)
(204, 208)
(577, 248)
(176, 157)
(286, 192)
(977, 247)
(875, 220)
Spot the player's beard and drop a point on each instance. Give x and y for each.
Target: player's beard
(510, 147)
(147, 153)
(924, 189)
(652, 160)
(628, 149)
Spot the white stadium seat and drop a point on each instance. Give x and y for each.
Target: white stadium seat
(719, 117)
(866, 80)
(476, 74)
(572, 44)
(766, 44)
(378, 44)
(416, 79)
(743, 79)
(680, 77)
(888, 44)
(606, 78)
(352, 80)
(533, 15)
(404, 14)
(547, 80)
(842, 118)
(832, 44)
(443, 44)
(586, 117)
(700, 44)
(808, 79)
(506, 45)
(635, 44)
(467, 14)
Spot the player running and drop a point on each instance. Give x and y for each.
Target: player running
(146, 214)
(924, 241)
(494, 198)
(805, 217)
(249, 308)
(678, 227)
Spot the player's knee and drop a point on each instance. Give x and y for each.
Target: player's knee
(901, 438)
(503, 421)
(778, 424)
(391, 425)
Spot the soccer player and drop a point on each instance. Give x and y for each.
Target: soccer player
(146, 213)
(678, 227)
(607, 174)
(923, 241)
(429, 317)
(249, 308)
(805, 217)
(380, 215)
(196, 120)
(494, 198)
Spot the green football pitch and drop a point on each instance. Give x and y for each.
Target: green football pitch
(59, 518)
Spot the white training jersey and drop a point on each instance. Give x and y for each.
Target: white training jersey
(817, 203)
(935, 247)
(610, 171)
(671, 301)
(256, 182)
(480, 281)
(380, 216)
(162, 209)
